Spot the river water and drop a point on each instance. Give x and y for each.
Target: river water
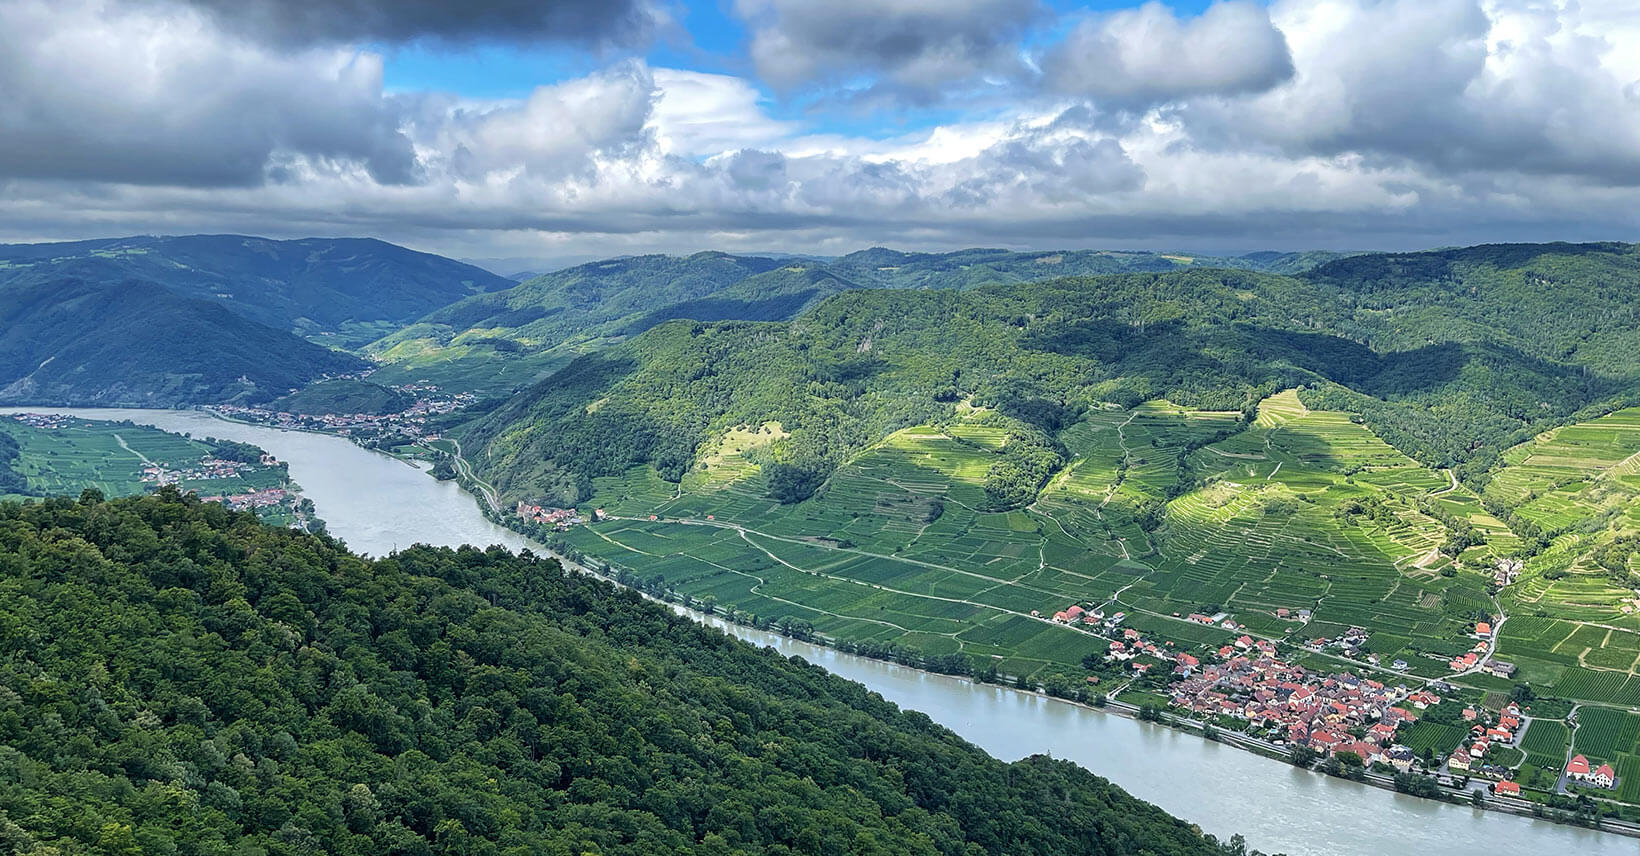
(377, 503)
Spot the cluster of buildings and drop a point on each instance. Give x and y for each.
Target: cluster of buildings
(1579, 771)
(1075, 614)
(264, 498)
(42, 420)
(1349, 643)
(1483, 642)
(1507, 571)
(1331, 713)
(410, 423)
(1483, 737)
(560, 518)
(208, 468)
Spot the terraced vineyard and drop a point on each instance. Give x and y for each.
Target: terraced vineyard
(1294, 511)
(74, 454)
(1296, 525)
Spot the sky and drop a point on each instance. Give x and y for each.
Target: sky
(536, 131)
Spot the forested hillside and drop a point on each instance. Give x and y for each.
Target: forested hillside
(182, 679)
(1449, 356)
(134, 343)
(1413, 467)
(485, 342)
(345, 290)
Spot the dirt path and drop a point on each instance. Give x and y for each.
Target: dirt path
(127, 447)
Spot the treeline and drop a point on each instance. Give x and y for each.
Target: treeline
(233, 450)
(11, 481)
(182, 679)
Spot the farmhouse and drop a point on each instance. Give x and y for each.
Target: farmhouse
(1501, 669)
(1578, 770)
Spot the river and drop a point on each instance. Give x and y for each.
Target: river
(377, 503)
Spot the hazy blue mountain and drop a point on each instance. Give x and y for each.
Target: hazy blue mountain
(135, 343)
(343, 291)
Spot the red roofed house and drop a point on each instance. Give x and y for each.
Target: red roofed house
(1075, 611)
(1483, 629)
(1578, 767)
(1508, 789)
(1604, 776)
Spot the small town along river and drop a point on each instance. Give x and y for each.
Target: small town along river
(377, 503)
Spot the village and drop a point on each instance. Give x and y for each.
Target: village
(159, 475)
(558, 518)
(1249, 687)
(254, 500)
(367, 429)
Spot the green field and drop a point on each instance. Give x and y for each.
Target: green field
(1160, 512)
(897, 546)
(75, 454)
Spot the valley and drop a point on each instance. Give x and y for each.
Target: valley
(1231, 499)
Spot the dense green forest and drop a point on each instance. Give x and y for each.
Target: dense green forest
(182, 679)
(600, 302)
(135, 343)
(1450, 356)
(343, 395)
(11, 481)
(341, 289)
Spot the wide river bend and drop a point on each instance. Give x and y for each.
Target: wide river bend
(377, 503)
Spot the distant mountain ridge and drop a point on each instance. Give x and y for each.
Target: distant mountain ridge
(542, 323)
(345, 290)
(136, 343)
(1451, 356)
(161, 321)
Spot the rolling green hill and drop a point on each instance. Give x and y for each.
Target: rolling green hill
(134, 343)
(182, 679)
(341, 291)
(921, 469)
(496, 343)
(343, 395)
(1450, 376)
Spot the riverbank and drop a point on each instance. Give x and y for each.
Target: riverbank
(483, 499)
(378, 504)
(1234, 739)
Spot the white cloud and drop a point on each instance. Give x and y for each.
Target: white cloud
(99, 91)
(1402, 123)
(1514, 86)
(706, 114)
(1147, 55)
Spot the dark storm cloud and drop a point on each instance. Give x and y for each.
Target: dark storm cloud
(918, 49)
(303, 22)
(130, 97)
